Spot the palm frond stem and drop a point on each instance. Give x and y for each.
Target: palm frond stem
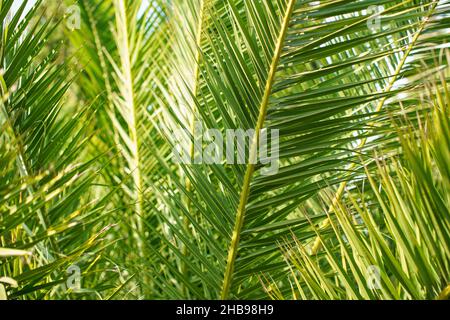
(240, 215)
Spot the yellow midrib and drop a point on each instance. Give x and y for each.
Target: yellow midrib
(240, 215)
(128, 94)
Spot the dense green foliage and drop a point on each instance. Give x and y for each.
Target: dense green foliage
(93, 204)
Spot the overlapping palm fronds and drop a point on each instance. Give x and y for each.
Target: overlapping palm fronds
(49, 218)
(390, 237)
(329, 77)
(319, 75)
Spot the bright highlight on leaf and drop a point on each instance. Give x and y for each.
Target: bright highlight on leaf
(95, 93)
(13, 253)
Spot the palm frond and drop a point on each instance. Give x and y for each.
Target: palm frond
(320, 76)
(390, 240)
(42, 177)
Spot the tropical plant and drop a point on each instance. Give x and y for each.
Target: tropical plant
(50, 215)
(389, 237)
(88, 176)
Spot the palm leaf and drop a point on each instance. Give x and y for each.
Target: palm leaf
(304, 69)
